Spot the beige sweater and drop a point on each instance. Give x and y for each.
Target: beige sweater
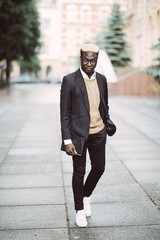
(96, 122)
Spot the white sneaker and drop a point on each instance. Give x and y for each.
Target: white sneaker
(81, 220)
(87, 206)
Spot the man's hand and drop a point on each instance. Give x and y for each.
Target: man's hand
(70, 149)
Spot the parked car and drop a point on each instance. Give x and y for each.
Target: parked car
(24, 78)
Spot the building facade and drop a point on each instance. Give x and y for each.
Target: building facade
(143, 30)
(50, 23)
(65, 26)
(82, 20)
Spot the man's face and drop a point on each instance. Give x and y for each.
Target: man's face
(89, 62)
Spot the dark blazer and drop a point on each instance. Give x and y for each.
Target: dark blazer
(74, 104)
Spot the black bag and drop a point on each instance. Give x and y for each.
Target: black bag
(110, 127)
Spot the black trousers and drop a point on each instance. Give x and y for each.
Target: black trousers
(95, 144)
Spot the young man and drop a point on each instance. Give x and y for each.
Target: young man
(84, 115)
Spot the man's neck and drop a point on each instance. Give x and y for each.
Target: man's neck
(89, 75)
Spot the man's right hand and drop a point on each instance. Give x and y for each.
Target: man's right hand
(70, 149)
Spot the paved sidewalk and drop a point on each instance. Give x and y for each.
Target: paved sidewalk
(36, 199)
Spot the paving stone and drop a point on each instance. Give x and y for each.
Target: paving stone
(157, 139)
(120, 214)
(30, 168)
(67, 179)
(123, 134)
(30, 158)
(39, 130)
(4, 149)
(39, 124)
(114, 166)
(138, 148)
(18, 113)
(117, 233)
(44, 138)
(129, 142)
(44, 112)
(113, 193)
(28, 181)
(142, 164)
(126, 211)
(147, 176)
(68, 167)
(26, 151)
(139, 155)
(110, 155)
(7, 138)
(36, 132)
(31, 196)
(64, 157)
(116, 177)
(108, 178)
(110, 166)
(153, 190)
(4, 106)
(30, 217)
(9, 125)
(8, 132)
(40, 234)
(4, 144)
(119, 193)
(33, 143)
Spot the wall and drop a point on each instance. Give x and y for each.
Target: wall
(138, 83)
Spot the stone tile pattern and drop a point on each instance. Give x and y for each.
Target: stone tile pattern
(32, 200)
(36, 200)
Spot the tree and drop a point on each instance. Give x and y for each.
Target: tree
(31, 66)
(154, 70)
(19, 31)
(112, 39)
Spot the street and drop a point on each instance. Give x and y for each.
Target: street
(36, 200)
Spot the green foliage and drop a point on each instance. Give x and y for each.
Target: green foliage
(19, 30)
(32, 66)
(112, 39)
(155, 69)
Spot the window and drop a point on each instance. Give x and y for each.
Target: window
(45, 23)
(71, 38)
(71, 13)
(85, 12)
(103, 16)
(104, 13)
(45, 45)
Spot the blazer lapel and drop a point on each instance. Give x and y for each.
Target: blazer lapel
(83, 89)
(100, 85)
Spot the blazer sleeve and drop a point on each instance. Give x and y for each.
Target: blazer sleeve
(65, 108)
(106, 97)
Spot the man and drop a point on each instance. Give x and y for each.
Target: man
(84, 115)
